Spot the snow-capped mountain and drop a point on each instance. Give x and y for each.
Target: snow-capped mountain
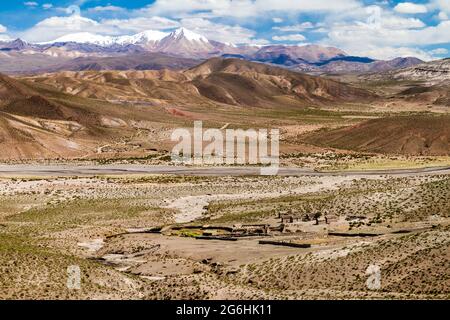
(83, 38)
(181, 42)
(17, 44)
(105, 41)
(146, 38)
(185, 34)
(181, 34)
(184, 42)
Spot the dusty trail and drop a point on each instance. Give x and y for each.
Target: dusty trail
(127, 169)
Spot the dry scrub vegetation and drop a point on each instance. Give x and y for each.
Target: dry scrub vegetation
(49, 224)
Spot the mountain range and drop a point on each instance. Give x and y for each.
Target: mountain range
(82, 51)
(71, 114)
(433, 72)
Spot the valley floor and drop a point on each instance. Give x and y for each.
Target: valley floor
(198, 236)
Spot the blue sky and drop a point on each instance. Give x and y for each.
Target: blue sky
(380, 29)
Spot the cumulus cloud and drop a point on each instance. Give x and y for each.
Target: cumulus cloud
(387, 35)
(58, 26)
(47, 6)
(439, 52)
(361, 33)
(106, 9)
(221, 32)
(3, 29)
(246, 8)
(410, 8)
(31, 4)
(392, 22)
(141, 24)
(295, 28)
(443, 5)
(55, 27)
(443, 16)
(380, 31)
(388, 52)
(291, 37)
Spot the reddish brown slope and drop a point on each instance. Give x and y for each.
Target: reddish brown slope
(411, 135)
(237, 81)
(38, 123)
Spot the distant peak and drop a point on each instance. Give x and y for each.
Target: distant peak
(181, 31)
(188, 34)
(152, 34)
(81, 37)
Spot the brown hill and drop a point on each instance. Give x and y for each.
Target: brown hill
(92, 109)
(160, 87)
(20, 98)
(432, 73)
(427, 95)
(225, 81)
(347, 65)
(35, 106)
(139, 61)
(411, 135)
(11, 89)
(38, 122)
(310, 53)
(237, 81)
(40, 62)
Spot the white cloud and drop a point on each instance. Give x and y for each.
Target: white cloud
(439, 51)
(443, 5)
(388, 52)
(47, 6)
(411, 8)
(443, 16)
(384, 34)
(291, 37)
(106, 8)
(247, 8)
(221, 32)
(3, 35)
(31, 4)
(295, 28)
(141, 24)
(307, 5)
(394, 22)
(378, 31)
(55, 27)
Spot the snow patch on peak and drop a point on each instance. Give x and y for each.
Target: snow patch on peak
(90, 38)
(148, 36)
(142, 37)
(84, 37)
(188, 34)
(230, 44)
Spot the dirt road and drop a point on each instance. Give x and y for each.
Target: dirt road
(127, 169)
